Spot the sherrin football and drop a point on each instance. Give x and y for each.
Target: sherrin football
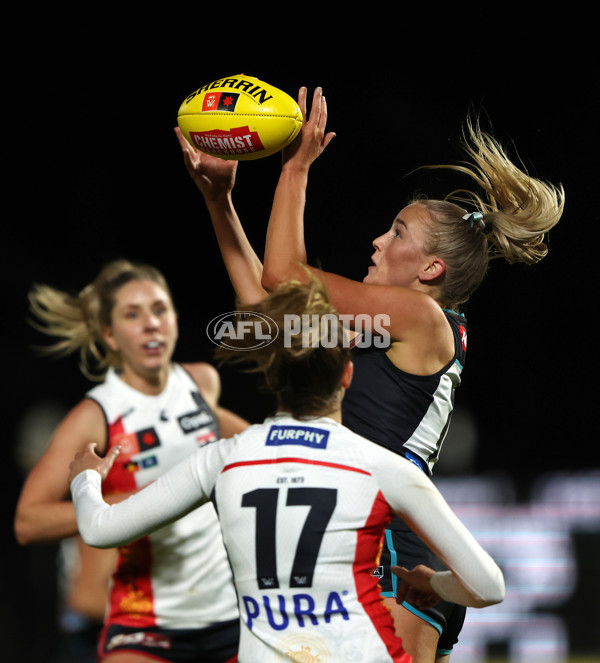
(239, 118)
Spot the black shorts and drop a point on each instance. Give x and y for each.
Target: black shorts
(402, 547)
(216, 644)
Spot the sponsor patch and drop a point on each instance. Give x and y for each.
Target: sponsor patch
(141, 639)
(206, 437)
(306, 436)
(238, 140)
(281, 612)
(194, 421)
(147, 462)
(463, 337)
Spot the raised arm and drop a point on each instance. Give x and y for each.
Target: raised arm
(285, 252)
(215, 178)
(413, 316)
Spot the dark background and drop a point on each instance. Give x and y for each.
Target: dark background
(95, 173)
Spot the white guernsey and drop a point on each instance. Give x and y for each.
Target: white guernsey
(302, 506)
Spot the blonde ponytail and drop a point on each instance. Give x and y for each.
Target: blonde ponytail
(517, 212)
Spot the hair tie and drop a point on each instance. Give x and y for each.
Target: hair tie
(475, 219)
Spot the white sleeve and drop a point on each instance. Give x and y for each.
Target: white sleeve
(474, 579)
(173, 495)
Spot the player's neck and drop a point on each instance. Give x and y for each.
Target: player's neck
(151, 383)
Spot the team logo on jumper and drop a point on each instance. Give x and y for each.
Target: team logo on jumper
(134, 443)
(238, 140)
(220, 101)
(128, 442)
(305, 649)
(306, 436)
(147, 439)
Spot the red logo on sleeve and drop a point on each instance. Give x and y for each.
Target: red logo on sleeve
(463, 337)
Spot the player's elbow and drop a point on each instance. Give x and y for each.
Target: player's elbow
(275, 275)
(21, 537)
(97, 542)
(24, 534)
(494, 592)
(272, 277)
(92, 536)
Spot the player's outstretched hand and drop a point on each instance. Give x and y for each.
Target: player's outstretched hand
(416, 588)
(313, 139)
(88, 459)
(213, 176)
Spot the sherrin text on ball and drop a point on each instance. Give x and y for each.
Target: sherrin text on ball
(239, 117)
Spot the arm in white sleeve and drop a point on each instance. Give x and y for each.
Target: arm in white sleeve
(170, 497)
(474, 579)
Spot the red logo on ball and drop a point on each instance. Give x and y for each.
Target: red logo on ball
(220, 101)
(238, 140)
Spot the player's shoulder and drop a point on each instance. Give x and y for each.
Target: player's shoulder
(201, 371)
(207, 379)
(87, 411)
(84, 422)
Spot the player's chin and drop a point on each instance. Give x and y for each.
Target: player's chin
(155, 364)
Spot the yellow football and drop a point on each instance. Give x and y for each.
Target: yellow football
(239, 117)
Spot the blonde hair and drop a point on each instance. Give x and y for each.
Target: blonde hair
(303, 371)
(518, 212)
(77, 321)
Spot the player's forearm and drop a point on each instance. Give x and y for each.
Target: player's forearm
(285, 250)
(243, 265)
(161, 502)
(488, 591)
(473, 579)
(42, 523)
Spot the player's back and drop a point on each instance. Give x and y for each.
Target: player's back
(302, 518)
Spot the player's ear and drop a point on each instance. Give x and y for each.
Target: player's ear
(109, 338)
(434, 269)
(347, 375)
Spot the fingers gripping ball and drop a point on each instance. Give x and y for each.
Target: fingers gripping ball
(240, 118)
